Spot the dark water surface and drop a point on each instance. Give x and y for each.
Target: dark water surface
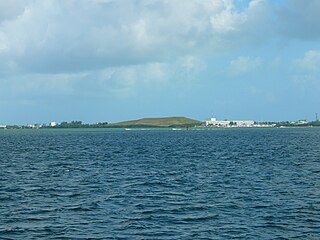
(160, 184)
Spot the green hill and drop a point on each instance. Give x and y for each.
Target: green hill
(158, 122)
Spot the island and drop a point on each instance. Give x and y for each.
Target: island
(174, 122)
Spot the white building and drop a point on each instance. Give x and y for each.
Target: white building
(3, 126)
(213, 122)
(53, 124)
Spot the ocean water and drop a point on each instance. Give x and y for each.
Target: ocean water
(160, 184)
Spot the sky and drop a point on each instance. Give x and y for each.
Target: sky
(114, 60)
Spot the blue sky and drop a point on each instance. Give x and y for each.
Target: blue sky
(113, 60)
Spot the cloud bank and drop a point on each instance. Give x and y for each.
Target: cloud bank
(118, 49)
(70, 36)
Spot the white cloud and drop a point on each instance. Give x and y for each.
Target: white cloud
(243, 65)
(306, 72)
(117, 81)
(228, 19)
(192, 63)
(125, 81)
(310, 61)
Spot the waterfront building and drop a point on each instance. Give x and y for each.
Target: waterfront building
(53, 124)
(213, 122)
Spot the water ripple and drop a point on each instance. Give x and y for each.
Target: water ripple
(160, 184)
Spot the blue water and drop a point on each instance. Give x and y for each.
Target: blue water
(160, 184)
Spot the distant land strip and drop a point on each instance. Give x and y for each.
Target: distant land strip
(164, 122)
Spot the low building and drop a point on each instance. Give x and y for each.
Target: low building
(213, 122)
(53, 124)
(246, 123)
(301, 122)
(3, 126)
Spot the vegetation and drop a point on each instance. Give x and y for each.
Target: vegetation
(79, 124)
(316, 123)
